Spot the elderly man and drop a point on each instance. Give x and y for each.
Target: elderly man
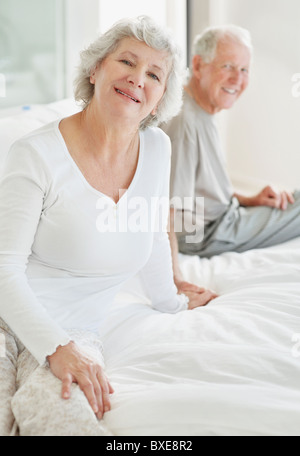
(208, 217)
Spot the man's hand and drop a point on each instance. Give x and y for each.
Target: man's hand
(198, 296)
(267, 197)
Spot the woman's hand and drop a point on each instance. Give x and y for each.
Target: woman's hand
(71, 365)
(198, 296)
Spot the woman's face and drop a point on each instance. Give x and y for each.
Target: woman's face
(131, 81)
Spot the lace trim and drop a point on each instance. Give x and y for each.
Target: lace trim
(83, 338)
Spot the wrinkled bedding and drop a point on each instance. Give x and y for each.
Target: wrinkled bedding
(230, 368)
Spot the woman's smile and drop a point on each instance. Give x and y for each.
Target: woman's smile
(127, 94)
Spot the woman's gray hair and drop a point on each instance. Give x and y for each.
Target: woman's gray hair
(146, 30)
(206, 43)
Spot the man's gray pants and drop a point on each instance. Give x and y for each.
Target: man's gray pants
(246, 228)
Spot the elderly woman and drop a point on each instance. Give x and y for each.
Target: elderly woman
(61, 263)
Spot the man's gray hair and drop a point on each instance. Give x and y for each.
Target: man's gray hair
(146, 30)
(206, 43)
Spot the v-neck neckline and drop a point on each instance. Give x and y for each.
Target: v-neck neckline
(85, 181)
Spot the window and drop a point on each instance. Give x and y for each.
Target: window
(31, 54)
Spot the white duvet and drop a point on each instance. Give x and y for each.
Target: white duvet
(230, 368)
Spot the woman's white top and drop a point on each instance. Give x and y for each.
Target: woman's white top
(66, 248)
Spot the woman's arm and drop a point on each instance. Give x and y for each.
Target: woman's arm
(23, 189)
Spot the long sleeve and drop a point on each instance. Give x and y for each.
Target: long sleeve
(157, 274)
(23, 189)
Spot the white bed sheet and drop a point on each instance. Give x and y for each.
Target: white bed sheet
(230, 368)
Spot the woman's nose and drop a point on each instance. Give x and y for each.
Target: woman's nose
(137, 79)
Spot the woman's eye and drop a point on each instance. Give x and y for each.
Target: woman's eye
(154, 76)
(127, 62)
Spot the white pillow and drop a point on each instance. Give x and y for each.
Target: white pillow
(23, 120)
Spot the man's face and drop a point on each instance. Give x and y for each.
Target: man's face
(222, 81)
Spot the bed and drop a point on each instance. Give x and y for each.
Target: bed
(230, 368)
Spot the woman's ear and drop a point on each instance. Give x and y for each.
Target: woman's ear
(92, 76)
